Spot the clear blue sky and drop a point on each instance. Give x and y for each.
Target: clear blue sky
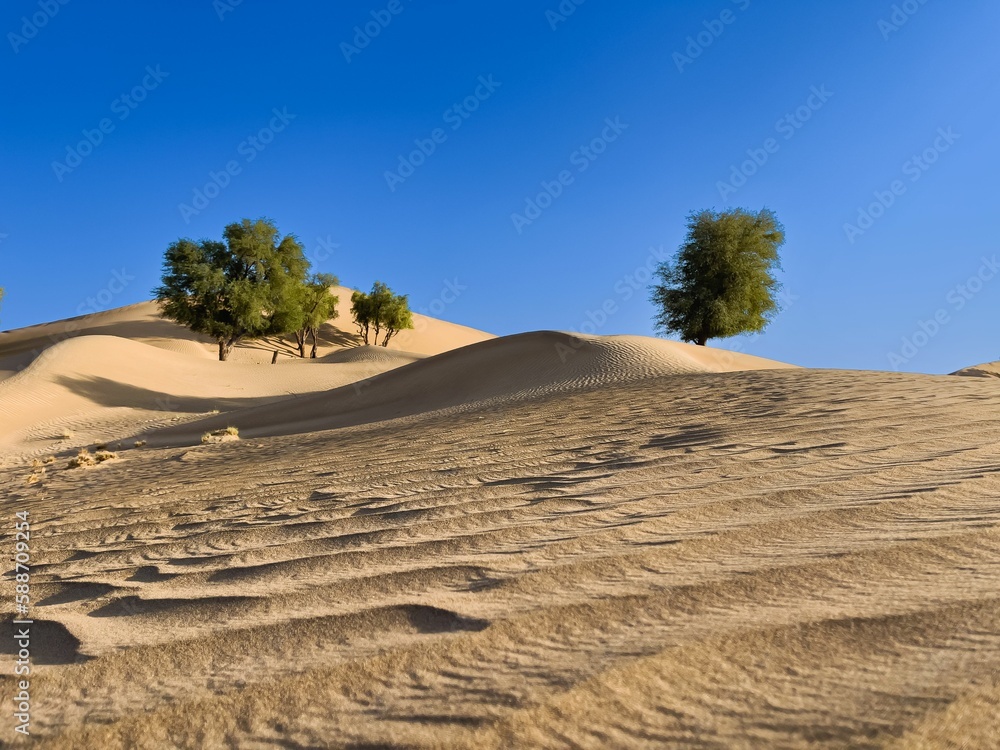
(886, 92)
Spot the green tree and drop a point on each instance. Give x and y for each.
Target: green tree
(361, 309)
(245, 287)
(380, 310)
(720, 282)
(396, 317)
(316, 306)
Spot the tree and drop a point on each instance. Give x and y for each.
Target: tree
(397, 317)
(380, 310)
(362, 312)
(316, 306)
(245, 287)
(720, 282)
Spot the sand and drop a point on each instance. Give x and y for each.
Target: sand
(527, 541)
(986, 370)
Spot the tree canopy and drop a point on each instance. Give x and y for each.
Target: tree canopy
(720, 282)
(245, 287)
(380, 311)
(316, 305)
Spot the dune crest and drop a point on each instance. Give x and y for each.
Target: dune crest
(506, 369)
(142, 322)
(107, 375)
(986, 370)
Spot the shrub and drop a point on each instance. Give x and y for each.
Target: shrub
(221, 436)
(83, 458)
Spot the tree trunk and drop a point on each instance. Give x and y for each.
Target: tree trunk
(702, 340)
(300, 340)
(226, 347)
(312, 354)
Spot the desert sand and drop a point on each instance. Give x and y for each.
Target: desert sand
(473, 542)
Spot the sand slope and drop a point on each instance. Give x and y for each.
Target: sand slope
(632, 543)
(501, 370)
(142, 322)
(103, 388)
(777, 558)
(987, 370)
(105, 376)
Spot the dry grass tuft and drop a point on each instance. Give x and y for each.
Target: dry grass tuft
(83, 458)
(221, 436)
(86, 458)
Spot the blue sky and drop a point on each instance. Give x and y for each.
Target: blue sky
(283, 110)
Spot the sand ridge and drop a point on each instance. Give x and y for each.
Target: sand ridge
(108, 375)
(505, 369)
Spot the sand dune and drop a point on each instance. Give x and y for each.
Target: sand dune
(142, 322)
(111, 374)
(532, 541)
(501, 370)
(987, 370)
(100, 387)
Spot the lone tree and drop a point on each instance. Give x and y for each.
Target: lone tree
(246, 287)
(380, 310)
(316, 306)
(720, 282)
